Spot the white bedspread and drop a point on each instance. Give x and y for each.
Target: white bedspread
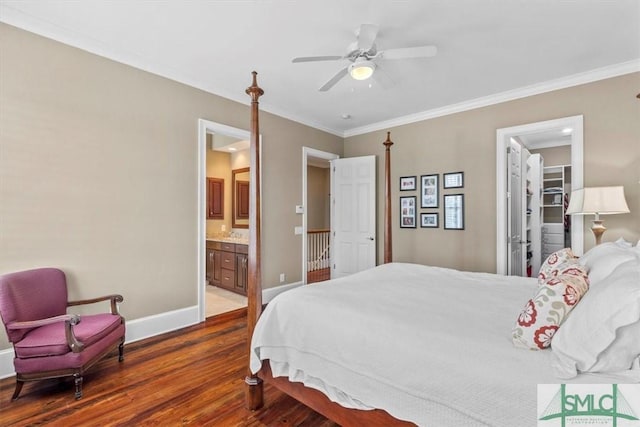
(426, 344)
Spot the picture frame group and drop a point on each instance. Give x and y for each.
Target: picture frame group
(429, 196)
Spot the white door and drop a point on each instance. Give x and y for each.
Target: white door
(353, 215)
(516, 234)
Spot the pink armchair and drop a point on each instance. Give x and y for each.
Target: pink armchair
(48, 342)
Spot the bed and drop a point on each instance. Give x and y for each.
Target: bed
(412, 344)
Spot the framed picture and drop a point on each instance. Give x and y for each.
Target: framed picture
(453, 180)
(429, 220)
(429, 191)
(408, 212)
(407, 183)
(454, 211)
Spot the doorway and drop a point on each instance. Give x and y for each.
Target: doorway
(316, 218)
(230, 137)
(504, 138)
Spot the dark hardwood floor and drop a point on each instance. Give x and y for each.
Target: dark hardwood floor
(194, 376)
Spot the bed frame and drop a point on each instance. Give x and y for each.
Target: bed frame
(254, 382)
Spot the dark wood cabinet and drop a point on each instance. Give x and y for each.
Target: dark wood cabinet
(242, 269)
(226, 266)
(213, 264)
(215, 198)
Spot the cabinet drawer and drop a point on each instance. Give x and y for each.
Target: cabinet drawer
(230, 247)
(242, 249)
(228, 261)
(228, 278)
(213, 245)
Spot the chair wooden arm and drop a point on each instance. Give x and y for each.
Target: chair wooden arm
(114, 300)
(73, 343)
(73, 318)
(70, 320)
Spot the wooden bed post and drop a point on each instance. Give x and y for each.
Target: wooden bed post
(388, 257)
(254, 280)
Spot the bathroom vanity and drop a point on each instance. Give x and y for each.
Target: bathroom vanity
(227, 265)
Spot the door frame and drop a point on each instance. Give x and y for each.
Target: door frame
(577, 179)
(309, 153)
(205, 126)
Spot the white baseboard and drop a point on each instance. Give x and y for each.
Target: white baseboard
(6, 363)
(137, 329)
(157, 324)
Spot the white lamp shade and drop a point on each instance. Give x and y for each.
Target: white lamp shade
(598, 201)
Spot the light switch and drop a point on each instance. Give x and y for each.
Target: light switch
(299, 209)
(297, 230)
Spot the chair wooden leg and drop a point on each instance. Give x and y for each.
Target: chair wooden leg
(78, 381)
(121, 352)
(19, 385)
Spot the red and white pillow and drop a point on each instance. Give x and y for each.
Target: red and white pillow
(543, 314)
(556, 264)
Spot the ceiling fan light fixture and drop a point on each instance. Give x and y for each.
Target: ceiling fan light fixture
(361, 69)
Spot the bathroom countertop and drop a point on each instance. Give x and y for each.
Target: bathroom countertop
(237, 240)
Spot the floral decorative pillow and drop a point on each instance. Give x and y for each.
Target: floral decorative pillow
(555, 263)
(545, 312)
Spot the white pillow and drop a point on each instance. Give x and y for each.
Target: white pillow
(619, 356)
(601, 260)
(591, 328)
(623, 243)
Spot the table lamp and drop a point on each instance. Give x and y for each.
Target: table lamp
(598, 201)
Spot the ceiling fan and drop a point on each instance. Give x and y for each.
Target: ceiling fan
(363, 55)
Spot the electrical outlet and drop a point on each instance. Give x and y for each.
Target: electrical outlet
(282, 277)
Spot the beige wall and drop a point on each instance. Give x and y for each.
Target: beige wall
(98, 175)
(555, 156)
(466, 142)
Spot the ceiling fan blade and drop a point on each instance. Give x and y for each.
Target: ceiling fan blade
(316, 58)
(367, 36)
(409, 52)
(335, 79)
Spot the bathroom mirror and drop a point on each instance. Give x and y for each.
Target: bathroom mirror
(240, 198)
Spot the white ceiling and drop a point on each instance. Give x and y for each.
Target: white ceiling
(488, 50)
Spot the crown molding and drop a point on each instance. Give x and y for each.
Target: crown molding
(523, 92)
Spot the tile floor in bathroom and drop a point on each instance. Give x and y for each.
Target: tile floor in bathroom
(219, 300)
